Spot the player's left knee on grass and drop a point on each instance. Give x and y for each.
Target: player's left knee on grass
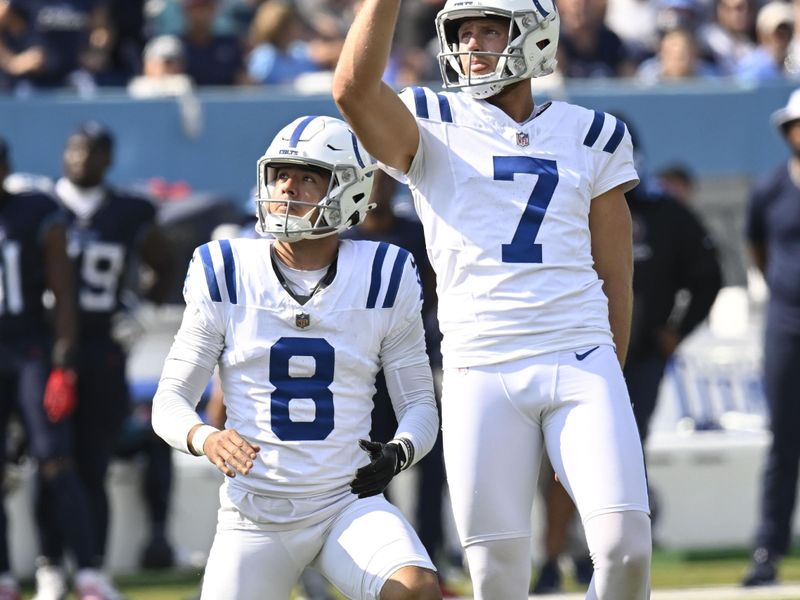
(411, 583)
(621, 548)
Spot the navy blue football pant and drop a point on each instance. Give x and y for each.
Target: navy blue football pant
(779, 486)
(23, 374)
(643, 377)
(102, 407)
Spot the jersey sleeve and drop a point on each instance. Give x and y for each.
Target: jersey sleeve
(203, 292)
(430, 110)
(404, 343)
(611, 154)
(406, 366)
(194, 353)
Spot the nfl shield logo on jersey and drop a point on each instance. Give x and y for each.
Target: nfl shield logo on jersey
(522, 139)
(302, 320)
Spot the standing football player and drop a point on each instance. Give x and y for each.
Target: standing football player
(109, 233)
(300, 326)
(33, 259)
(529, 234)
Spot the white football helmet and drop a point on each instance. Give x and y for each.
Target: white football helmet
(320, 142)
(531, 51)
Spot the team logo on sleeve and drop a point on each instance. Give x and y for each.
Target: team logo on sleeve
(523, 139)
(302, 320)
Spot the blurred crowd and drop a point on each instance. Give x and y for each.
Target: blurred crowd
(166, 47)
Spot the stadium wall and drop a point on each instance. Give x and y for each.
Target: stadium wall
(212, 140)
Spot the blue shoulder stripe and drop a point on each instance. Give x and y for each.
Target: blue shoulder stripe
(420, 101)
(230, 269)
(377, 266)
(394, 279)
(444, 109)
(595, 129)
(208, 269)
(616, 137)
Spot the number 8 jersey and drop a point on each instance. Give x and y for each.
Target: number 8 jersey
(506, 213)
(298, 379)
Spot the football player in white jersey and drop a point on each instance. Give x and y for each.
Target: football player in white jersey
(299, 326)
(529, 234)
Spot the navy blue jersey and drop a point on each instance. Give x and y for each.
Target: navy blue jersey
(61, 28)
(102, 247)
(773, 219)
(24, 221)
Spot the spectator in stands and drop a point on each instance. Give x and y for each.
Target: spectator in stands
(19, 51)
(127, 21)
(330, 19)
(163, 71)
(677, 59)
(730, 36)
(773, 232)
(679, 14)
(774, 27)
(67, 42)
(212, 59)
(587, 48)
(415, 44)
(109, 232)
(281, 48)
(634, 21)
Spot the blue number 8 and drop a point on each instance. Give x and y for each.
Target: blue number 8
(523, 248)
(315, 387)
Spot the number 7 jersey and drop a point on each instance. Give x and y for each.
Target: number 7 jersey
(505, 208)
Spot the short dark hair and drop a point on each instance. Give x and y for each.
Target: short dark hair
(97, 133)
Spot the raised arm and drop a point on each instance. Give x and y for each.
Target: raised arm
(612, 250)
(379, 118)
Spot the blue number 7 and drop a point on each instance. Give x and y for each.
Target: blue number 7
(523, 248)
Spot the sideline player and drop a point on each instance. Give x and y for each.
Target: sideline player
(299, 327)
(109, 233)
(529, 234)
(33, 258)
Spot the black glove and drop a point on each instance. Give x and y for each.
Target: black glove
(373, 478)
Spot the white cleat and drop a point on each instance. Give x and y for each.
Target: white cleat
(51, 583)
(91, 584)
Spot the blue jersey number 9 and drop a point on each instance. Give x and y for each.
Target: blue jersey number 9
(287, 387)
(523, 248)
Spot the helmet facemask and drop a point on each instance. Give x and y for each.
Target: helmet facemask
(331, 148)
(530, 50)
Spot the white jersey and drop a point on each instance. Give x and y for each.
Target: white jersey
(299, 379)
(505, 208)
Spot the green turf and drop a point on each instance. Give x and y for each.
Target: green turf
(670, 570)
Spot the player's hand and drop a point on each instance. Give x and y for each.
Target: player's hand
(60, 394)
(373, 478)
(230, 452)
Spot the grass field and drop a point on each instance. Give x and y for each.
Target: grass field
(670, 571)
